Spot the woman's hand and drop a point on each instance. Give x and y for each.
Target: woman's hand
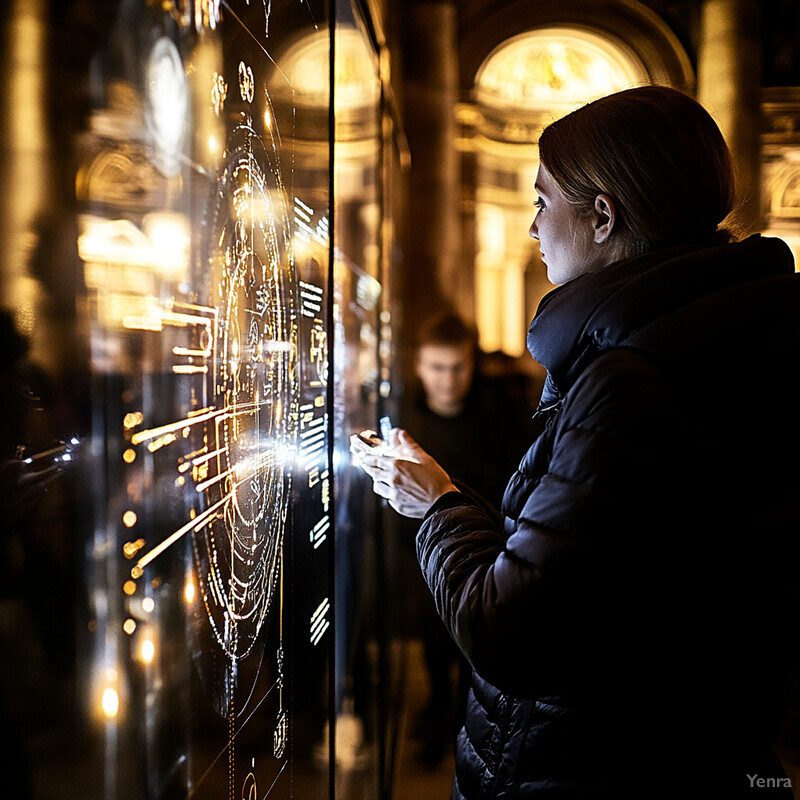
(408, 478)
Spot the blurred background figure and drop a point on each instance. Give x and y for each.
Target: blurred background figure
(469, 410)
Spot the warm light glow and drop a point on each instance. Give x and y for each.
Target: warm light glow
(168, 104)
(189, 592)
(129, 587)
(129, 456)
(168, 234)
(129, 519)
(148, 651)
(555, 69)
(129, 626)
(148, 605)
(307, 67)
(130, 549)
(132, 420)
(110, 702)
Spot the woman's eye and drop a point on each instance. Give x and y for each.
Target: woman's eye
(539, 203)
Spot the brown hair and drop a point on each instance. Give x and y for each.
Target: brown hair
(656, 152)
(447, 328)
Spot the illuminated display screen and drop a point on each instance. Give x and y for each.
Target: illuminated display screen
(233, 350)
(198, 311)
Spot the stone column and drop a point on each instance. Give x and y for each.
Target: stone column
(729, 86)
(435, 271)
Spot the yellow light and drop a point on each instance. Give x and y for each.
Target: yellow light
(148, 605)
(132, 420)
(129, 626)
(110, 702)
(129, 456)
(129, 587)
(148, 651)
(129, 519)
(189, 592)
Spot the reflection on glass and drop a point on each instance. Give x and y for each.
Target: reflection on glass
(204, 239)
(231, 336)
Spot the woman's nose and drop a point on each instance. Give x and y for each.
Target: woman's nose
(534, 230)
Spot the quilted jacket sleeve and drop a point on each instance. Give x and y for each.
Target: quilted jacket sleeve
(529, 607)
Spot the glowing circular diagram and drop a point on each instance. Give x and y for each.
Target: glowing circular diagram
(252, 387)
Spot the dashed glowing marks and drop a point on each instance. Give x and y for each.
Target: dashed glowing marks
(320, 621)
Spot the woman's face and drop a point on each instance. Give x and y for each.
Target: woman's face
(566, 236)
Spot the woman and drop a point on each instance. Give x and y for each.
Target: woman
(627, 615)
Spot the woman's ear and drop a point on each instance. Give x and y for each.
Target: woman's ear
(605, 219)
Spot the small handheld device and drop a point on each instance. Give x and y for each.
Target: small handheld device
(365, 441)
(369, 441)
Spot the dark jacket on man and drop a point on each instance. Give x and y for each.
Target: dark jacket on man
(629, 617)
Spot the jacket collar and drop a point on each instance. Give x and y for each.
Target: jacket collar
(602, 310)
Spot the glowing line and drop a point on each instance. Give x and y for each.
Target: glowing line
(275, 63)
(208, 456)
(170, 317)
(192, 307)
(143, 436)
(212, 481)
(195, 524)
(188, 369)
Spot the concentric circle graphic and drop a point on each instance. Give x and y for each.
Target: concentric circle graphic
(252, 387)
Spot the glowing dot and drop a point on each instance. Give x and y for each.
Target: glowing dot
(189, 592)
(132, 420)
(137, 572)
(148, 650)
(180, 480)
(148, 605)
(110, 702)
(129, 519)
(129, 456)
(129, 587)
(129, 626)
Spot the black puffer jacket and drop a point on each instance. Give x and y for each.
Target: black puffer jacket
(630, 622)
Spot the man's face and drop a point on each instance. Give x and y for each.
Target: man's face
(446, 374)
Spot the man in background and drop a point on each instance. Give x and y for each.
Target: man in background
(476, 427)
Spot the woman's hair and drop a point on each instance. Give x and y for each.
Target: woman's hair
(656, 152)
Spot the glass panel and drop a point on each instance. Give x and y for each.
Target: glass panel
(194, 580)
(179, 475)
(205, 243)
